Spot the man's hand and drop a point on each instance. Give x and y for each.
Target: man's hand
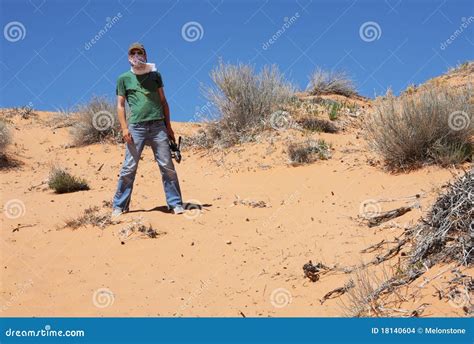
(127, 136)
(170, 133)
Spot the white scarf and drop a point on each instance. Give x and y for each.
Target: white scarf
(143, 68)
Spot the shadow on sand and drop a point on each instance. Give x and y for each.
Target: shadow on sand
(164, 208)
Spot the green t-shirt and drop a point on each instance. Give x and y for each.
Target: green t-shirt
(141, 92)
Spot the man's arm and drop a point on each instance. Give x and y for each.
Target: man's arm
(166, 112)
(123, 121)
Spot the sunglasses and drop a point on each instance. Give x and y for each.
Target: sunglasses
(136, 52)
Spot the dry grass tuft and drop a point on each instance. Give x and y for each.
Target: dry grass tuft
(138, 230)
(243, 102)
(96, 122)
(63, 182)
(328, 82)
(433, 126)
(317, 124)
(91, 216)
(308, 151)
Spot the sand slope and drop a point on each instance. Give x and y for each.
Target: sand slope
(227, 260)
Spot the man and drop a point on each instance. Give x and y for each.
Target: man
(148, 123)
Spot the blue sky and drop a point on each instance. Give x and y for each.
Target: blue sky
(46, 61)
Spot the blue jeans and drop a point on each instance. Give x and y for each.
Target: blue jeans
(155, 134)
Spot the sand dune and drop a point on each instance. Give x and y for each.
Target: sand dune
(230, 259)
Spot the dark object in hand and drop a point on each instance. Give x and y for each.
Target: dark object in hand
(175, 150)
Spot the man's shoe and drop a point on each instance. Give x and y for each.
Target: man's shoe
(178, 209)
(116, 213)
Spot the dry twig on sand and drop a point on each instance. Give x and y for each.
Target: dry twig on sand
(338, 291)
(388, 215)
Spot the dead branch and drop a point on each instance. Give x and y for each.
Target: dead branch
(388, 215)
(338, 291)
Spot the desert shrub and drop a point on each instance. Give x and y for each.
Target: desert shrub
(63, 182)
(91, 216)
(5, 137)
(446, 233)
(359, 298)
(363, 294)
(245, 101)
(137, 229)
(317, 124)
(328, 82)
(96, 121)
(309, 151)
(432, 126)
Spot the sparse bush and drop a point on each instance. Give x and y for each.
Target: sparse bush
(63, 182)
(244, 101)
(5, 137)
(446, 233)
(309, 151)
(432, 126)
(363, 298)
(328, 82)
(316, 124)
(90, 216)
(137, 229)
(96, 122)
